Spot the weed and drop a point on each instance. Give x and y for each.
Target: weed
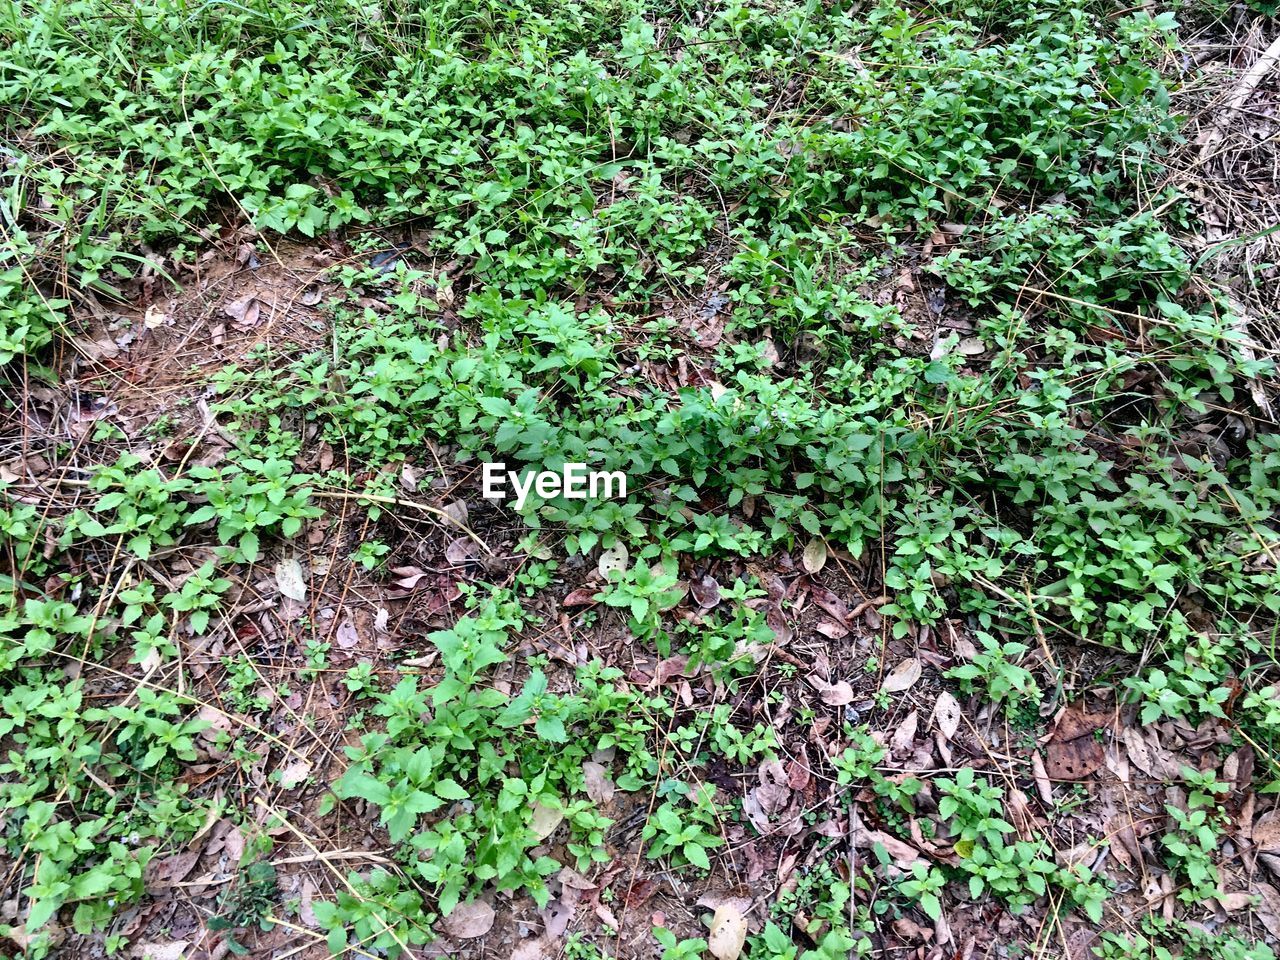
(576, 172)
(247, 903)
(685, 827)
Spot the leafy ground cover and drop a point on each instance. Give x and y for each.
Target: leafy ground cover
(936, 343)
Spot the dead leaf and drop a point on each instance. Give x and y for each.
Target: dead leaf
(171, 870)
(407, 577)
(669, 668)
(1271, 862)
(1073, 759)
(798, 773)
(828, 601)
(1044, 786)
(832, 630)
(545, 820)
(832, 694)
(555, 918)
(600, 788)
(469, 920)
(346, 634)
(900, 852)
(102, 349)
(290, 580)
(1268, 908)
(1234, 902)
(1146, 753)
(772, 797)
(815, 555)
(580, 597)
(904, 737)
(530, 949)
(174, 950)
(295, 773)
(777, 622)
(638, 891)
(244, 313)
(962, 647)
(714, 898)
(1266, 833)
(705, 591)
(946, 714)
(903, 676)
(460, 550)
(942, 929)
(755, 813)
(574, 880)
(911, 932)
(457, 511)
(607, 917)
(1074, 751)
(728, 932)
(615, 558)
(1073, 723)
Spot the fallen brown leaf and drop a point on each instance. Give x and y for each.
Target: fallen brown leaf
(946, 714)
(902, 677)
(832, 694)
(600, 788)
(469, 920)
(728, 932)
(814, 557)
(1074, 752)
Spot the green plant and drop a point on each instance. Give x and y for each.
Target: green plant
(923, 886)
(317, 657)
(726, 646)
(379, 912)
(438, 776)
(774, 944)
(685, 828)
(370, 554)
(684, 247)
(361, 679)
(248, 902)
(253, 498)
(244, 684)
(644, 592)
(1160, 939)
(995, 667)
(145, 507)
(673, 949)
(1195, 836)
(198, 596)
(973, 808)
(1019, 872)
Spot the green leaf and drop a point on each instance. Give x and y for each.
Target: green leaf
(337, 941)
(357, 784)
(931, 906)
(551, 728)
(449, 790)
(697, 856)
(937, 372)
